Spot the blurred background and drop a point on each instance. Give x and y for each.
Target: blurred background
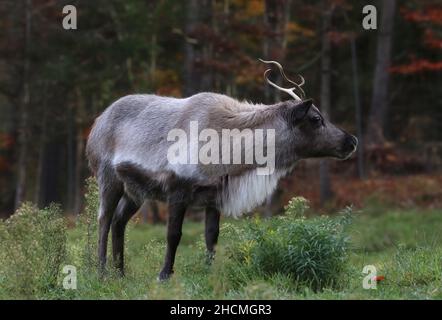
(383, 85)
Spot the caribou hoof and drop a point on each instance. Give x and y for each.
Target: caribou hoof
(164, 275)
(210, 256)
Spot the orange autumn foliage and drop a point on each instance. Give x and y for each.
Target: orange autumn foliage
(406, 191)
(6, 141)
(431, 40)
(420, 65)
(431, 14)
(338, 38)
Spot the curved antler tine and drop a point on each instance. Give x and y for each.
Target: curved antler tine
(299, 85)
(302, 80)
(281, 70)
(288, 91)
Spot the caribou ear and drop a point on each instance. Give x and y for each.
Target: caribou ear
(301, 110)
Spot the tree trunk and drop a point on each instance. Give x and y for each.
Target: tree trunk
(190, 76)
(23, 122)
(324, 174)
(196, 76)
(152, 207)
(276, 17)
(121, 36)
(42, 150)
(79, 181)
(71, 164)
(79, 151)
(153, 56)
(358, 111)
(379, 101)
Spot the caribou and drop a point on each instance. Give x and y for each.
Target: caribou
(129, 144)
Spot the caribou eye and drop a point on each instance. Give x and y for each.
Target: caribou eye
(316, 120)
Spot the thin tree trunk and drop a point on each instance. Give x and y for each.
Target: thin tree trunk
(207, 50)
(79, 152)
(23, 122)
(42, 151)
(324, 172)
(153, 56)
(121, 36)
(79, 156)
(152, 207)
(197, 75)
(220, 82)
(71, 164)
(144, 212)
(276, 18)
(361, 167)
(190, 81)
(379, 102)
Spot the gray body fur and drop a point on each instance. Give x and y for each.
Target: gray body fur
(134, 129)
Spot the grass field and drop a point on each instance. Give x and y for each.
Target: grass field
(405, 246)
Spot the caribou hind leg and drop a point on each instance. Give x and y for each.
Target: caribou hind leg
(125, 210)
(110, 192)
(211, 231)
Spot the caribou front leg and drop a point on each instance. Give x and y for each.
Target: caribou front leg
(177, 209)
(212, 231)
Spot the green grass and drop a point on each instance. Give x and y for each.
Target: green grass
(404, 246)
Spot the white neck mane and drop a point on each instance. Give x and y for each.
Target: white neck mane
(245, 192)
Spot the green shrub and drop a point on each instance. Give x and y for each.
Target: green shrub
(311, 252)
(32, 250)
(88, 225)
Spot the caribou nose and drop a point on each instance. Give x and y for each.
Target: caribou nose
(350, 143)
(354, 140)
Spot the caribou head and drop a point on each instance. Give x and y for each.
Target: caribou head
(313, 135)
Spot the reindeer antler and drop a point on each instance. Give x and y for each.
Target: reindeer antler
(290, 91)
